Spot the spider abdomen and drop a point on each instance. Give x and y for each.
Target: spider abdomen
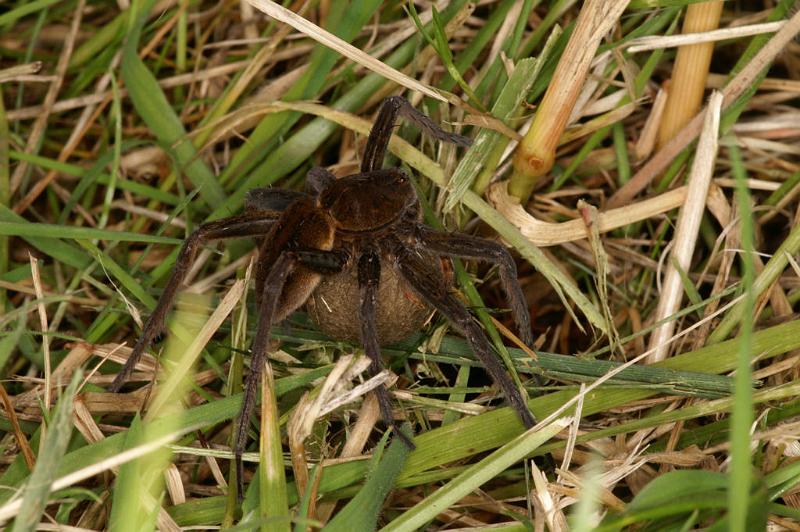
(334, 307)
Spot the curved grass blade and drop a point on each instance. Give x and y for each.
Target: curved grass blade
(363, 510)
(152, 105)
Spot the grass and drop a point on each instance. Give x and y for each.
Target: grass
(666, 357)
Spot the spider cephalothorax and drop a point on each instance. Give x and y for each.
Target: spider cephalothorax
(354, 251)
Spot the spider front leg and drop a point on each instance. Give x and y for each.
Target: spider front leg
(427, 284)
(275, 283)
(369, 274)
(381, 132)
(471, 247)
(247, 225)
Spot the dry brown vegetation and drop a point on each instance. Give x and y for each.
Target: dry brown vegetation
(649, 193)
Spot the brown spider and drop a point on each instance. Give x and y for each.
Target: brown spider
(354, 251)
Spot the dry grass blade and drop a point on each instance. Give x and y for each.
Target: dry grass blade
(286, 16)
(550, 234)
(20, 72)
(735, 88)
(643, 44)
(688, 225)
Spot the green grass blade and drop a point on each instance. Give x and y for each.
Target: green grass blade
(742, 415)
(152, 105)
(487, 141)
(5, 191)
(363, 510)
(59, 432)
(24, 9)
(34, 231)
(52, 247)
(473, 477)
(127, 514)
(274, 507)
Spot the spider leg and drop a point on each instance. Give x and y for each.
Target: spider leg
(246, 225)
(471, 247)
(270, 200)
(318, 179)
(369, 274)
(381, 132)
(274, 284)
(428, 284)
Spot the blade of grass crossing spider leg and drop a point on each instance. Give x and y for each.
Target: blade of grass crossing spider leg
(564, 287)
(346, 19)
(152, 105)
(274, 503)
(486, 431)
(474, 298)
(363, 510)
(37, 490)
(742, 415)
(487, 140)
(473, 477)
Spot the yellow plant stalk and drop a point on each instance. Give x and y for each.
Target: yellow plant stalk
(685, 95)
(537, 151)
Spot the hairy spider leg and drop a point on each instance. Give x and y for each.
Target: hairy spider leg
(369, 274)
(391, 109)
(472, 247)
(270, 200)
(318, 179)
(245, 225)
(274, 283)
(424, 281)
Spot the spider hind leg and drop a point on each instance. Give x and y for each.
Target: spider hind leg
(424, 281)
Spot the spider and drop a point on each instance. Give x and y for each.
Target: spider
(355, 251)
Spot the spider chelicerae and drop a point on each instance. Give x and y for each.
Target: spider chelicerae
(355, 251)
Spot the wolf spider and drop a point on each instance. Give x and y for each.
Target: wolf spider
(355, 251)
